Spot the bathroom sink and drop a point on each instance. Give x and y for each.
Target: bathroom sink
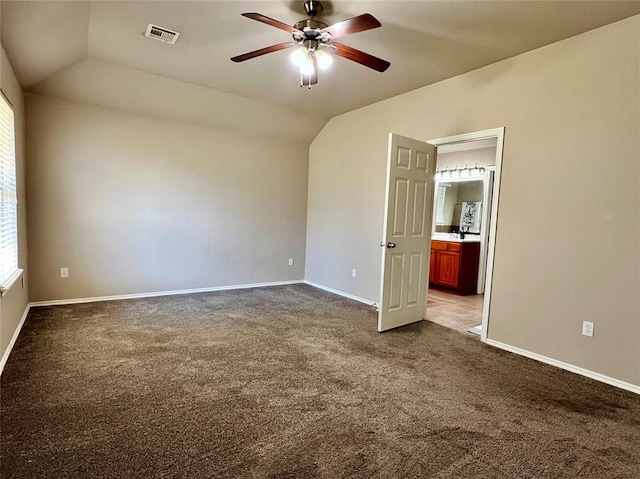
(455, 237)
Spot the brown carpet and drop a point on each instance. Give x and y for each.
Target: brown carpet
(293, 382)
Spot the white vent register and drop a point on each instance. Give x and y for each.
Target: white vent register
(161, 33)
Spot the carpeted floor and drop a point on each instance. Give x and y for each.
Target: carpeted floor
(293, 382)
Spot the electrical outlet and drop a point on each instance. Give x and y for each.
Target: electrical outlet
(354, 273)
(64, 272)
(587, 328)
(290, 261)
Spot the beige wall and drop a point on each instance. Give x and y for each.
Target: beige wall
(14, 302)
(132, 204)
(571, 112)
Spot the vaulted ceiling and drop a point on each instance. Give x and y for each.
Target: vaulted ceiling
(59, 46)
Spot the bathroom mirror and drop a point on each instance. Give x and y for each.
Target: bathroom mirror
(458, 205)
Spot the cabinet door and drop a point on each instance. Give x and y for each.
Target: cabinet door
(468, 272)
(448, 266)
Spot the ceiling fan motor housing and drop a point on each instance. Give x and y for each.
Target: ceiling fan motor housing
(306, 30)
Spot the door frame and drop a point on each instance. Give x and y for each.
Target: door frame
(498, 134)
(487, 199)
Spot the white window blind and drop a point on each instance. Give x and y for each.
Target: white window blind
(8, 198)
(440, 204)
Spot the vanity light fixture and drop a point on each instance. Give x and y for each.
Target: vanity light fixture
(476, 171)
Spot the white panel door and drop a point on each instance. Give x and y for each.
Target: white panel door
(407, 232)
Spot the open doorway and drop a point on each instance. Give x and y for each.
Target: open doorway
(466, 189)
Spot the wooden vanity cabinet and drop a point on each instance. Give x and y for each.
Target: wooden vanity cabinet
(454, 266)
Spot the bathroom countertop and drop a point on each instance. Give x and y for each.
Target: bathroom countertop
(455, 238)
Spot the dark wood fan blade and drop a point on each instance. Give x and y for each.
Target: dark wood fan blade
(262, 51)
(270, 21)
(357, 24)
(360, 57)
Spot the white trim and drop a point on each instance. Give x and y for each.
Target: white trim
(5, 289)
(498, 134)
(464, 137)
(487, 199)
(57, 302)
(16, 333)
(341, 293)
(566, 366)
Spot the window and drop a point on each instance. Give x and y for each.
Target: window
(9, 271)
(440, 204)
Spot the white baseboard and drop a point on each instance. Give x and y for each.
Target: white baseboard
(14, 338)
(522, 352)
(569, 367)
(58, 302)
(341, 293)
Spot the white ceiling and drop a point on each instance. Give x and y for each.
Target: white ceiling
(425, 41)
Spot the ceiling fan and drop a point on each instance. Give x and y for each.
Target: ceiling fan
(315, 39)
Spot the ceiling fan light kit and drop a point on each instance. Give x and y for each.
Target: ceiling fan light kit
(314, 38)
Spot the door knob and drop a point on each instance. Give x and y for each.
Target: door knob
(391, 245)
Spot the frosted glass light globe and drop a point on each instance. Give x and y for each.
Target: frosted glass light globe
(299, 56)
(324, 59)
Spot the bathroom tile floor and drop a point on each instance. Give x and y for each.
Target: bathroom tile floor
(455, 312)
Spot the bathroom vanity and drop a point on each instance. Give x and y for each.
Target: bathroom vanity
(454, 265)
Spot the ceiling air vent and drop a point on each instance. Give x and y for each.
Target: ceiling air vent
(161, 33)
